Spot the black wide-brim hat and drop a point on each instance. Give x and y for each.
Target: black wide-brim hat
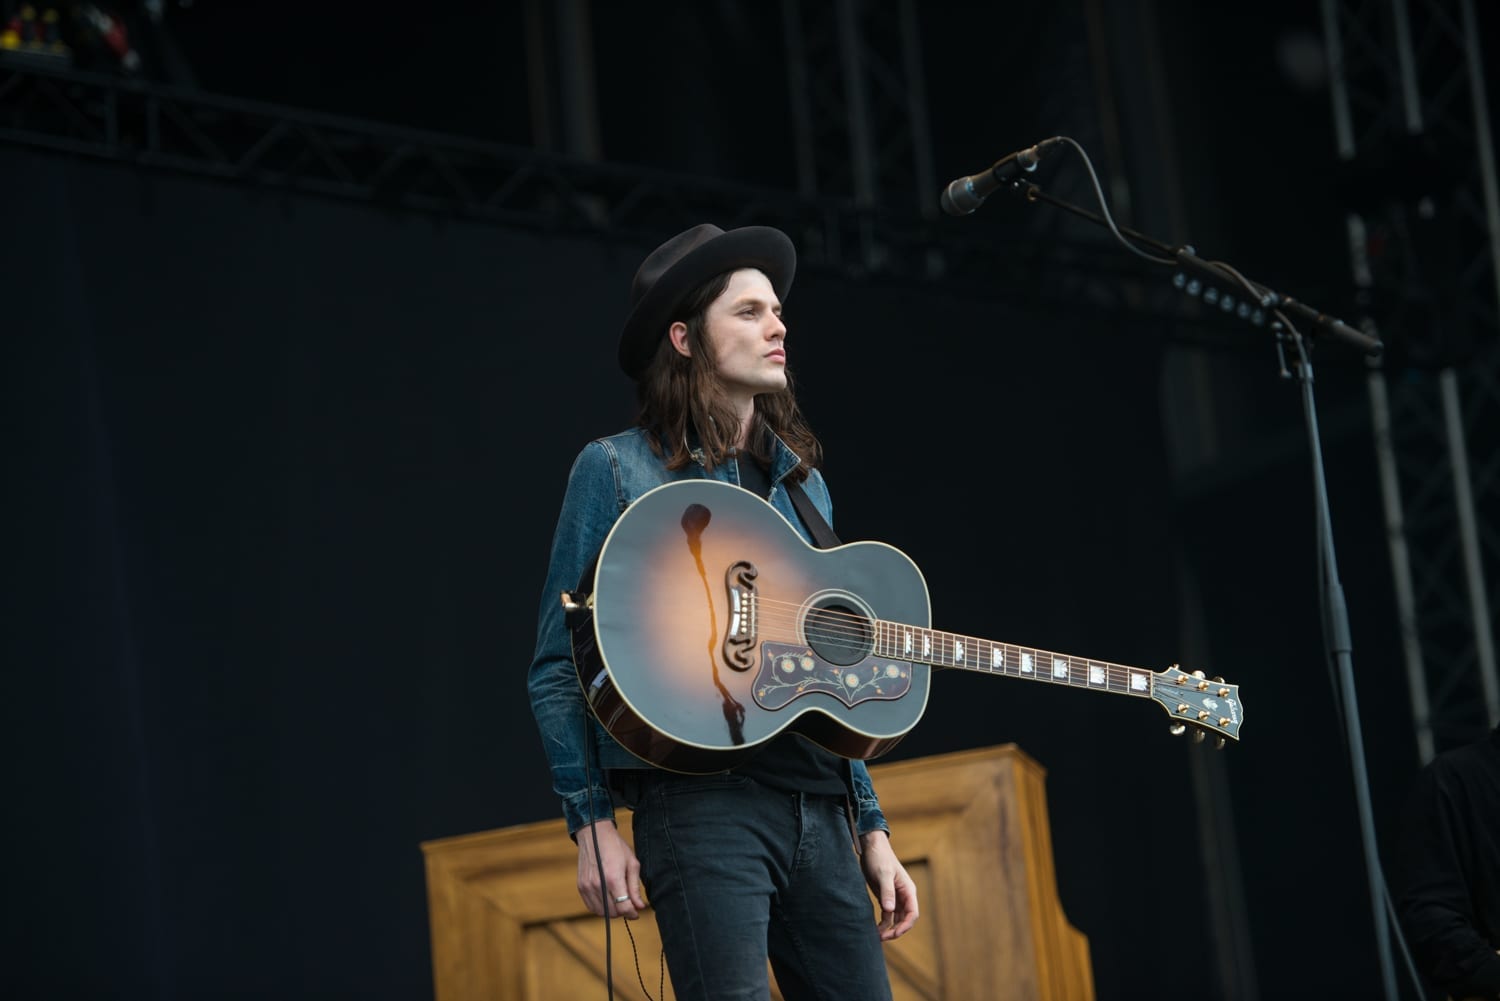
(683, 263)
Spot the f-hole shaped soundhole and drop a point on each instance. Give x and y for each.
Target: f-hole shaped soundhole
(837, 631)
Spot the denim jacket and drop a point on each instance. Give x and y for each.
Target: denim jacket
(606, 477)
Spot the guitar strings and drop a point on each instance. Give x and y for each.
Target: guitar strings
(784, 617)
(1078, 672)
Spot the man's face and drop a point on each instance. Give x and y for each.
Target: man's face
(744, 327)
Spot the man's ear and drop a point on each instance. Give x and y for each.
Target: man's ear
(679, 335)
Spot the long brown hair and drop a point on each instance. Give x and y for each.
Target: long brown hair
(682, 397)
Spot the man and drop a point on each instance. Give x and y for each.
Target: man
(1448, 897)
(769, 859)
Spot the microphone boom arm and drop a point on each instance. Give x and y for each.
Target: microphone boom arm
(1187, 259)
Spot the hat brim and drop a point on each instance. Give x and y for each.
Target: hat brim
(762, 247)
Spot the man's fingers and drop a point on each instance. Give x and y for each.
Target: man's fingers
(626, 905)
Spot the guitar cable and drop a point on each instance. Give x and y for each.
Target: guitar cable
(604, 896)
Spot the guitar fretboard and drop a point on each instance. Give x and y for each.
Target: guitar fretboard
(928, 646)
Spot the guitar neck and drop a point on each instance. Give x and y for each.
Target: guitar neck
(939, 649)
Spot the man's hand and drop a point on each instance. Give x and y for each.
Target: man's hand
(622, 872)
(890, 883)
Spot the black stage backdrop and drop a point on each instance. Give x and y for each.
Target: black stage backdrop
(281, 479)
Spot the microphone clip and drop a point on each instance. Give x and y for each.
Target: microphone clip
(966, 194)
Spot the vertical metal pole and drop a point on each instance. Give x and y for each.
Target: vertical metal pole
(916, 111)
(857, 108)
(539, 77)
(575, 80)
(1374, 874)
(1411, 98)
(1468, 533)
(856, 105)
(1485, 142)
(1395, 537)
(798, 83)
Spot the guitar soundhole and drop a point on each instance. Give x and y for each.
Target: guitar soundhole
(837, 633)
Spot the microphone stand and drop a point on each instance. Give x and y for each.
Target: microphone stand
(1335, 613)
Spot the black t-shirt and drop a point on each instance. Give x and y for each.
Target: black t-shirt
(789, 761)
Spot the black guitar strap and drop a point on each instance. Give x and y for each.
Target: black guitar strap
(822, 532)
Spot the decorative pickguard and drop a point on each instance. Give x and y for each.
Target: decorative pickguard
(788, 672)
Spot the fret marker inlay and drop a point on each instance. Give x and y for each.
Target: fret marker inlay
(1059, 667)
(1026, 667)
(1096, 674)
(1139, 682)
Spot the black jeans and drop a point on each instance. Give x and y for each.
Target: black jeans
(738, 873)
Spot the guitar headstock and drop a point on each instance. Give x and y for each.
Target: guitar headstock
(1203, 705)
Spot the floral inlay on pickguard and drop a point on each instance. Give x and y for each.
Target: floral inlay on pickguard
(788, 672)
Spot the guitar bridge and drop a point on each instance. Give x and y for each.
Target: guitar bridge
(740, 637)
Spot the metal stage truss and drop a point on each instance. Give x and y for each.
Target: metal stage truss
(1410, 114)
(164, 128)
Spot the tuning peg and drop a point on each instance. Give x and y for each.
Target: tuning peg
(1217, 680)
(1219, 744)
(1177, 729)
(1197, 736)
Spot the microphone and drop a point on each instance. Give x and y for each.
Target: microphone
(967, 193)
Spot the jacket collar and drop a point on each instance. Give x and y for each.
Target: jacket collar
(783, 459)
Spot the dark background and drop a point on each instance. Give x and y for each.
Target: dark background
(283, 470)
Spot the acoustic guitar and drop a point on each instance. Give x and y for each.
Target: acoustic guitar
(709, 627)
